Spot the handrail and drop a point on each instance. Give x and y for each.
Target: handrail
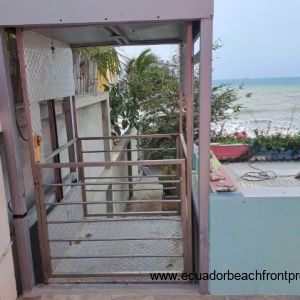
(132, 137)
(129, 150)
(111, 163)
(60, 149)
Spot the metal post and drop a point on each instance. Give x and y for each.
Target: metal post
(82, 176)
(54, 146)
(66, 105)
(206, 28)
(187, 246)
(129, 157)
(73, 100)
(105, 112)
(189, 125)
(180, 100)
(79, 155)
(41, 212)
(14, 168)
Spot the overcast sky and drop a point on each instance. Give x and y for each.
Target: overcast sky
(260, 38)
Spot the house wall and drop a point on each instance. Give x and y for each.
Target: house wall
(254, 233)
(7, 276)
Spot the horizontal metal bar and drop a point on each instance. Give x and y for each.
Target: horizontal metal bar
(113, 202)
(111, 164)
(134, 190)
(132, 137)
(118, 177)
(136, 213)
(177, 219)
(130, 150)
(115, 256)
(60, 149)
(109, 183)
(115, 239)
(79, 276)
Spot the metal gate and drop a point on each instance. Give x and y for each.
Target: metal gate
(115, 226)
(116, 217)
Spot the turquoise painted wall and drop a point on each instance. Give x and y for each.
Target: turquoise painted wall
(254, 233)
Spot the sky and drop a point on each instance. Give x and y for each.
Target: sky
(259, 38)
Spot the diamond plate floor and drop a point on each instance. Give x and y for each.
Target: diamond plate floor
(124, 229)
(285, 171)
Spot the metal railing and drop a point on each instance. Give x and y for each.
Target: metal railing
(117, 190)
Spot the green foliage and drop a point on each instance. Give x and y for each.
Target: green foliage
(264, 141)
(279, 142)
(224, 98)
(106, 58)
(146, 97)
(229, 139)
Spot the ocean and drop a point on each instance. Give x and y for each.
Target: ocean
(274, 105)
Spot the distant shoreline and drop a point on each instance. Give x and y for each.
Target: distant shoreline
(295, 81)
(274, 105)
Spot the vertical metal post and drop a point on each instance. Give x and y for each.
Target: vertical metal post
(206, 28)
(129, 158)
(82, 176)
(14, 168)
(41, 213)
(178, 167)
(66, 105)
(54, 146)
(106, 130)
(180, 100)
(187, 246)
(189, 126)
(73, 100)
(109, 199)
(79, 155)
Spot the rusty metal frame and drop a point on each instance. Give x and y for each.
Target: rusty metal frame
(185, 164)
(189, 95)
(165, 215)
(39, 195)
(206, 33)
(122, 201)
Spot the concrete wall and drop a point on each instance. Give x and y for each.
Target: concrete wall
(89, 124)
(7, 276)
(248, 234)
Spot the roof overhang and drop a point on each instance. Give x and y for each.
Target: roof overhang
(122, 34)
(99, 22)
(56, 12)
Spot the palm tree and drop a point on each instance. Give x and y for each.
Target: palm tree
(107, 60)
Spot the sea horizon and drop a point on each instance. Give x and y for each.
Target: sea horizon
(274, 104)
(281, 80)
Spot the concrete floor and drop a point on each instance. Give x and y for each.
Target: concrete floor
(153, 253)
(149, 229)
(132, 292)
(284, 185)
